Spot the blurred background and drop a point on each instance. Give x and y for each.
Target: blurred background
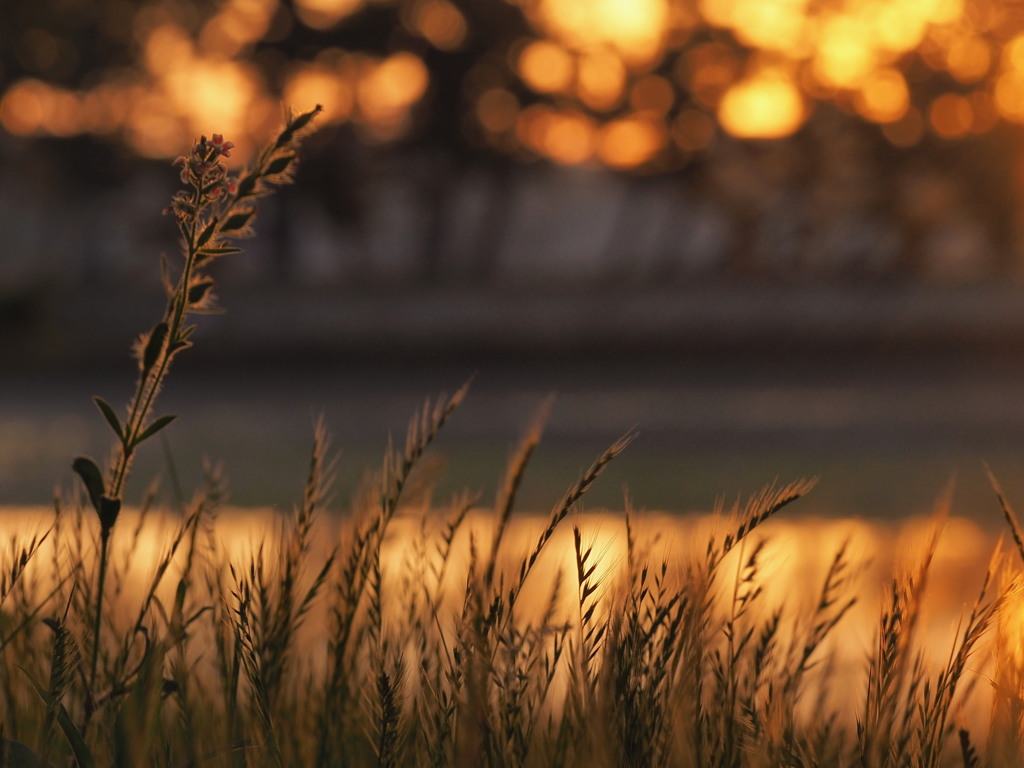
(779, 237)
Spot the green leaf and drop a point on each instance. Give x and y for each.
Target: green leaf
(207, 233)
(246, 185)
(154, 344)
(199, 291)
(296, 125)
(77, 743)
(238, 221)
(179, 601)
(302, 120)
(286, 136)
(155, 427)
(209, 253)
(108, 511)
(92, 477)
(110, 416)
(280, 165)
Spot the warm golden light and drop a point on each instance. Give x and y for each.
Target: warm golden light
(64, 117)
(601, 80)
(708, 71)
(795, 558)
(1013, 54)
(757, 66)
(634, 29)
(323, 14)
(237, 24)
(497, 110)
(951, 116)
(767, 105)
(1009, 96)
(631, 141)
(24, 106)
(211, 91)
(652, 94)
(165, 47)
(777, 25)
(440, 22)
(104, 109)
(388, 89)
(884, 96)
(546, 67)
(845, 54)
(897, 26)
(319, 84)
(968, 59)
(566, 138)
(152, 127)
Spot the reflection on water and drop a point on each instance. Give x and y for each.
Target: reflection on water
(796, 557)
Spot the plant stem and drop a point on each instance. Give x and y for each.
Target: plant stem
(145, 394)
(97, 621)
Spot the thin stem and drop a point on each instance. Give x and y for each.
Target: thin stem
(142, 402)
(97, 622)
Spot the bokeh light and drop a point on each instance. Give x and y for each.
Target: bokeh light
(323, 14)
(766, 105)
(668, 75)
(884, 96)
(631, 141)
(951, 116)
(388, 88)
(440, 22)
(633, 29)
(546, 67)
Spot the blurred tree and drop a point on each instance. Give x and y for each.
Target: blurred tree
(796, 118)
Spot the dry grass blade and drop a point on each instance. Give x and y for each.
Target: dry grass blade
(64, 662)
(423, 428)
(592, 627)
(896, 673)
(1008, 513)
(460, 508)
(830, 609)
(248, 656)
(513, 476)
(18, 557)
(938, 699)
(390, 694)
(762, 506)
(558, 514)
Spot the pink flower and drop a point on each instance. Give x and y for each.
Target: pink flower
(220, 146)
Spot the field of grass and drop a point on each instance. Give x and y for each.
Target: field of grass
(404, 630)
(404, 627)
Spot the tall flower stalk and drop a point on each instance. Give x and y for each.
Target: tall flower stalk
(212, 212)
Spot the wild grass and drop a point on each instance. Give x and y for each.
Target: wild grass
(363, 637)
(397, 630)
